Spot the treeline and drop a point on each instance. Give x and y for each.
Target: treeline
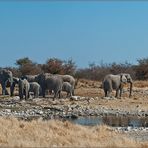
(93, 72)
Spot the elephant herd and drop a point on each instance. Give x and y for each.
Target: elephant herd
(39, 84)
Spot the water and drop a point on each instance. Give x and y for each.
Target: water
(114, 121)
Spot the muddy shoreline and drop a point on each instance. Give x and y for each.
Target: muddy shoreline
(63, 108)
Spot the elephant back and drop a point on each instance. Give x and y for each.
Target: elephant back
(66, 86)
(68, 78)
(54, 82)
(29, 78)
(34, 86)
(23, 83)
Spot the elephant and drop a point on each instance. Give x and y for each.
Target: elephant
(70, 79)
(15, 81)
(35, 88)
(29, 78)
(5, 76)
(68, 88)
(50, 82)
(24, 87)
(116, 82)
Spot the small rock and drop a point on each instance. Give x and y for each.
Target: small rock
(76, 98)
(8, 110)
(74, 116)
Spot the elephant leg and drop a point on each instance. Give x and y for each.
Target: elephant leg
(117, 93)
(36, 93)
(56, 93)
(59, 92)
(121, 91)
(3, 88)
(105, 91)
(40, 92)
(54, 96)
(6, 92)
(70, 94)
(21, 94)
(109, 93)
(73, 92)
(67, 94)
(43, 93)
(12, 89)
(26, 94)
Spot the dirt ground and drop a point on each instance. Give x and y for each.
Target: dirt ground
(139, 99)
(92, 89)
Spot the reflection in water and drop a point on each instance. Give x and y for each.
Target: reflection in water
(114, 121)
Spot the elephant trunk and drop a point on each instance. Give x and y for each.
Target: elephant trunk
(10, 80)
(131, 86)
(11, 86)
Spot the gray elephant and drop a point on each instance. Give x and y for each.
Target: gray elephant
(35, 88)
(23, 89)
(15, 81)
(5, 76)
(29, 78)
(67, 87)
(116, 82)
(70, 79)
(50, 82)
(12, 86)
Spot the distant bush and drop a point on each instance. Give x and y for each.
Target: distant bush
(26, 66)
(97, 72)
(141, 70)
(92, 72)
(57, 66)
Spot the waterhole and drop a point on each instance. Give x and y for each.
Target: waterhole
(114, 121)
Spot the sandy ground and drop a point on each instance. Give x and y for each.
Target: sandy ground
(139, 99)
(88, 88)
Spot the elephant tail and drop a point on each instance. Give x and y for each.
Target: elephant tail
(76, 83)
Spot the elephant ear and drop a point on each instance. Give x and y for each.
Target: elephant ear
(123, 78)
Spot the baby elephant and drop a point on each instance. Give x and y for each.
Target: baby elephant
(35, 88)
(68, 88)
(23, 88)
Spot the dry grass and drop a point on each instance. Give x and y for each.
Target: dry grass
(141, 84)
(40, 133)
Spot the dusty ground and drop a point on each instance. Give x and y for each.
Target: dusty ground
(88, 88)
(139, 99)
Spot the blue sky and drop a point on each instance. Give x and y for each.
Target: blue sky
(85, 31)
